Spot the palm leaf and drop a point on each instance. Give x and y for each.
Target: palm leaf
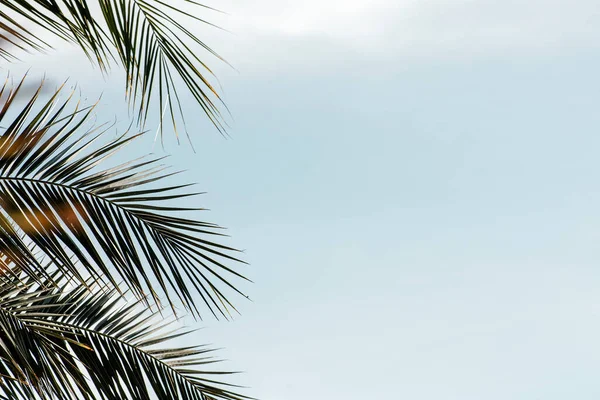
(151, 39)
(112, 224)
(74, 344)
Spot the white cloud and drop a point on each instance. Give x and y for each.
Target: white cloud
(281, 34)
(500, 24)
(421, 26)
(326, 17)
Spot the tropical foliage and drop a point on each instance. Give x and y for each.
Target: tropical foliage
(150, 39)
(91, 249)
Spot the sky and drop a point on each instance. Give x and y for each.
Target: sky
(415, 185)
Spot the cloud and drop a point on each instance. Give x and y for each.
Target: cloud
(506, 24)
(421, 18)
(326, 17)
(271, 35)
(438, 28)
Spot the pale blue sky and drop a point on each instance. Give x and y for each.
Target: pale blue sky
(416, 187)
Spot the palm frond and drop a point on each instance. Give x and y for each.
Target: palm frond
(151, 39)
(113, 224)
(74, 344)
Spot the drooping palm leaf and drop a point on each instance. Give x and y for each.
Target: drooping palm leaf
(58, 343)
(112, 224)
(151, 39)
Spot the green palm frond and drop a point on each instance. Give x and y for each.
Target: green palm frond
(149, 38)
(71, 344)
(112, 224)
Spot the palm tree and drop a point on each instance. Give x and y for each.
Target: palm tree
(89, 251)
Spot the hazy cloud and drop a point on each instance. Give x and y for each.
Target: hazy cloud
(437, 28)
(270, 35)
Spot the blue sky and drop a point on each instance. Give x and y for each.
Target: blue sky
(416, 187)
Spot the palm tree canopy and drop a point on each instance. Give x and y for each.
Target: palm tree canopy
(89, 249)
(149, 38)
